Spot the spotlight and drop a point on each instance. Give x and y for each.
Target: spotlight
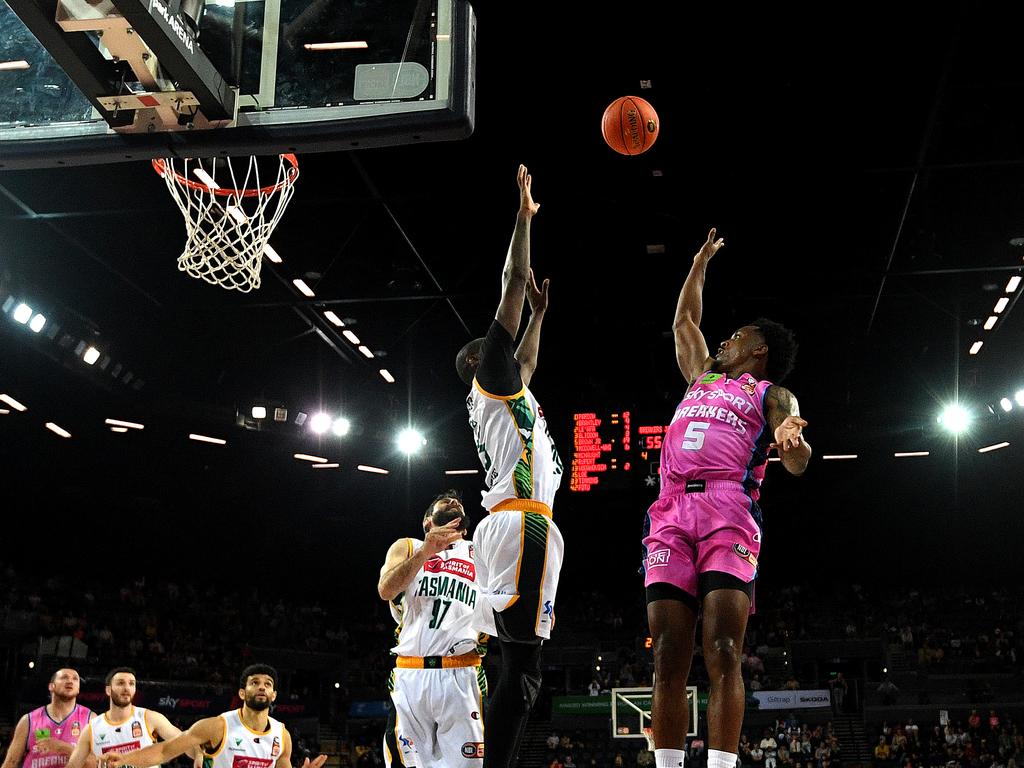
(37, 323)
(320, 423)
(341, 426)
(22, 313)
(955, 418)
(410, 441)
(1005, 404)
(91, 356)
(259, 412)
(1019, 397)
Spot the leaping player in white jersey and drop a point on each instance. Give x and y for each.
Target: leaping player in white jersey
(247, 737)
(124, 727)
(438, 684)
(518, 546)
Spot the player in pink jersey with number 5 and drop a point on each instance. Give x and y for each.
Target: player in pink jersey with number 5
(702, 537)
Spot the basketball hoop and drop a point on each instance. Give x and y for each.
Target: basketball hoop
(228, 222)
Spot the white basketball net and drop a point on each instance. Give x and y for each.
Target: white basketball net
(228, 219)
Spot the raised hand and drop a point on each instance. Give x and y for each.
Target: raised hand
(438, 539)
(787, 434)
(538, 297)
(710, 248)
(525, 181)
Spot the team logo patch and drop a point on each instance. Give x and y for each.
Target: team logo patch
(745, 553)
(136, 729)
(710, 378)
(247, 761)
(76, 729)
(453, 565)
(406, 742)
(658, 558)
(42, 733)
(749, 386)
(473, 749)
(275, 749)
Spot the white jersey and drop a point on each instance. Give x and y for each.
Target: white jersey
(435, 613)
(516, 449)
(241, 747)
(129, 735)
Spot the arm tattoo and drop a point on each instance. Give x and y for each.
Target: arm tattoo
(780, 403)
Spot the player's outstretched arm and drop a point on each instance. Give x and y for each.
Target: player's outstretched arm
(517, 260)
(691, 348)
(529, 347)
(209, 730)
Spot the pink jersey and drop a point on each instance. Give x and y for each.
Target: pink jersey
(41, 726)
(718, 432)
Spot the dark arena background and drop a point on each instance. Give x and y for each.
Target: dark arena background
(866, 169)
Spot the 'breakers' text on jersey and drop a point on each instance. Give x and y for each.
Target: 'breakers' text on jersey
(718, 432)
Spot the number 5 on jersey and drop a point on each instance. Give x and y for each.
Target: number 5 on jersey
(694, 437)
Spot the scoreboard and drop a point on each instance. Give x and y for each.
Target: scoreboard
(610, 450)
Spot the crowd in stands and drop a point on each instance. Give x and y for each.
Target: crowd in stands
(985, 740)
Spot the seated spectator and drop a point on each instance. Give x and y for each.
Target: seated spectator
(553, 741)
(889, 691)
(882, 752)
(556, 763)
(644, 758)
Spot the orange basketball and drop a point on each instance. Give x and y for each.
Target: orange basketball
(630, 125)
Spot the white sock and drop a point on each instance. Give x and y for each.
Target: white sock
(669, 758)
(719, 759)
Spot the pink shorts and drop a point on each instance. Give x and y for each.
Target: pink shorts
(688, 534)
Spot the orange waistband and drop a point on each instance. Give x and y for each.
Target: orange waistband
(522, 505)
(438, 662)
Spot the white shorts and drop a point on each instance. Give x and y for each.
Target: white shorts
(518, 557)
(439, 718)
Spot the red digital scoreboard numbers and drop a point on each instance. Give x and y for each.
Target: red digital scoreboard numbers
(610, 451)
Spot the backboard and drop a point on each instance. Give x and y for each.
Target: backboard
(301, 75)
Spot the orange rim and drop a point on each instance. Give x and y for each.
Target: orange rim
(160, 166)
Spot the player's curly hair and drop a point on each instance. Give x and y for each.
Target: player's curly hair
(257, 669)
(782, 348)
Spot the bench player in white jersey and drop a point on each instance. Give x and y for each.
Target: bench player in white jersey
(703, 535)
(438, 684)
(518, 546)
(123, 727)
(247, 737)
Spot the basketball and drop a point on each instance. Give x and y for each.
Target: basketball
(630, 125)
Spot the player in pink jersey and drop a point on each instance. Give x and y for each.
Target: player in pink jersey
(45, 737)
(703, 534)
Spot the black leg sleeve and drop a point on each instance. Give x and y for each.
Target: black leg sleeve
(511, 702)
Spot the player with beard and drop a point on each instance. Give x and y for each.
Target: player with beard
(247, 737)
(123, 727)
(438, 684)
(46, 737)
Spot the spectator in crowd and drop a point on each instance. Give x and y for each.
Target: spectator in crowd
(553, 741)
(882, 752)
(839, 687)
(595, 688)
(888, 690)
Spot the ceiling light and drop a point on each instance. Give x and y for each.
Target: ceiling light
(349, 45)
(991, 322)
(1001, 305)
(375, 470)
(91, 356)
(1018, 396)
(22, 313)
(829, 457)
(1005, 404)
(9, 66)
(204, 177)
(57, 430)
(995, 447)
(329, 465)
(334, 318)
(37, 323)
(409, 441)
(351, 337)
(341, 426)
(386, 375)
(462, 471)
(1012, 284)
(119, 429)
(13, 403)
(307, 457)
(365, 350)
(320, 423)
(259, 412)
(119, 423)
(975, 347)
(271, 254)
(299, 283)
(205, 439)
(955, 418)
(906, 454)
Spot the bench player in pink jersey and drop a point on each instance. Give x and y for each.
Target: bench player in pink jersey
(703, 534)
(46, 737)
